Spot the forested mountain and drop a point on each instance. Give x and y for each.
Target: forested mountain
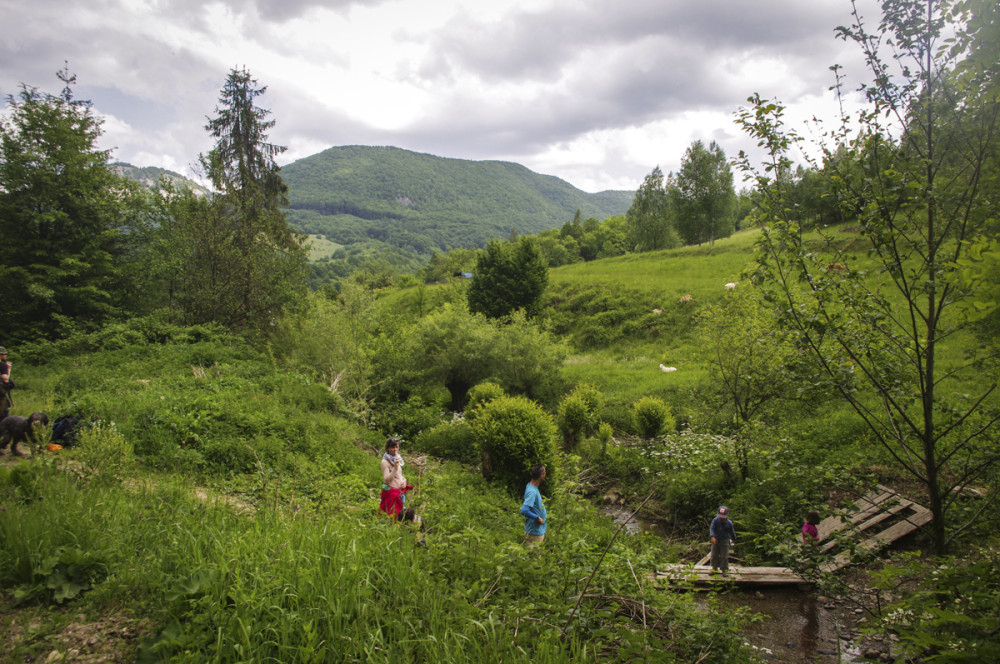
(149, 176)
(421, 203)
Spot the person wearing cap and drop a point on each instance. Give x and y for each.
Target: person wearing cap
(6, 384)
(723, 534)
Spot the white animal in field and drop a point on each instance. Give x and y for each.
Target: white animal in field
(664, 367)
(685, 298)
(731, 285)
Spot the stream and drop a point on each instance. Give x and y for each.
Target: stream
(796, 627)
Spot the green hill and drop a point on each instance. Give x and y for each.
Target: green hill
(419, 203)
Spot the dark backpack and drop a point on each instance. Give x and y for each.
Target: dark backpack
(64, 430)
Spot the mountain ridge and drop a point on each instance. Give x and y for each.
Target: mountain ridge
(420, 203)
(403, 205)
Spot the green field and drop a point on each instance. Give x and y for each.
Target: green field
(319, 247)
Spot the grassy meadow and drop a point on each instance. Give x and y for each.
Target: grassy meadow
(220, 504)
(319, 247)
(220, 507)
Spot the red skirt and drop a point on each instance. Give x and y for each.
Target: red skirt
(392, 502)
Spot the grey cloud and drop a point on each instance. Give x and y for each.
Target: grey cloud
(539, 45)
(285, 10)
(595, 65)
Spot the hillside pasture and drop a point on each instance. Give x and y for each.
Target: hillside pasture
(319, 247)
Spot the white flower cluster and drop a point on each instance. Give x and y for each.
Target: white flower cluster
(687, 450)
(899, 616)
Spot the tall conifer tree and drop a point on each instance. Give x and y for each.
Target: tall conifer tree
(66, 220)
(250, 262)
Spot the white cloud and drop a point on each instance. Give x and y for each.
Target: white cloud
(594, 91)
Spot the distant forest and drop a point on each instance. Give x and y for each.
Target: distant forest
(408, 205)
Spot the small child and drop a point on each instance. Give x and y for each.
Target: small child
(412, 519)
(810, 533)
(410, 516)
(723, 536)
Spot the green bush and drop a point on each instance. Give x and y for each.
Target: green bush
(480, 395)
(950, 614)
(104, 452)
(407, 419)
(514, 434)
(694, 496)
(604, 433)
(594, 401)
(652, 417)
(451, 440)
(573, 420)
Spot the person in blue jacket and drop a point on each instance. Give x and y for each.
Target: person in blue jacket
(533, 509)
(723, 534)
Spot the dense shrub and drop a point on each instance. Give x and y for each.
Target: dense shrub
(594, 401)
(482, 394)
(514, 433)
(572, 419)
(154, 329)
(693, 497)
(105, 454)
(604, 434)
(407, 419)
(451, 440)
(579, 414)
(652, 417)
(949, 614)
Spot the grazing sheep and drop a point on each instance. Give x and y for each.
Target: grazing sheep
(15, 429)
(731, 285)
(657, 311)
(667, 369)
(685, 298)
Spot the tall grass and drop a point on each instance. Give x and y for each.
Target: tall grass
(222, 585)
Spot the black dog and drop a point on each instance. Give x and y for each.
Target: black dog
(15, 429)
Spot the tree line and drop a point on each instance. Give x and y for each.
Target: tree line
(84, 245)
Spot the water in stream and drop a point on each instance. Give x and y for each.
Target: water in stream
(797, 627)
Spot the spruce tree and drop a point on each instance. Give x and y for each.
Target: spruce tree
(249, 262)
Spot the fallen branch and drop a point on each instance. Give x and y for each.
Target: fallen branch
(598, 566)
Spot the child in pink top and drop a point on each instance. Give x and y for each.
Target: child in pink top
(810, 533)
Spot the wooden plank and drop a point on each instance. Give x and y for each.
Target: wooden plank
(745, 576)
(870, 510)
(707, 560)
(865, 508)
(874, 521)
(887, 536)
(885, 514)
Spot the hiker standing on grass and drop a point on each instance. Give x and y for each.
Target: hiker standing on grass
(394, 486)
(6, 384)
(723, 535)
(533, 509)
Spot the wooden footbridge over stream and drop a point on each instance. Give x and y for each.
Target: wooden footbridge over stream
(876, 520)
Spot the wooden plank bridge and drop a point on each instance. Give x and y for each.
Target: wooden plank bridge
(877, 519)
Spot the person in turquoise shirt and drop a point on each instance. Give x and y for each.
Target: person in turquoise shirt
(533, 509)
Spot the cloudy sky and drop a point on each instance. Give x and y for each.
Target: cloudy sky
(596, 92)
